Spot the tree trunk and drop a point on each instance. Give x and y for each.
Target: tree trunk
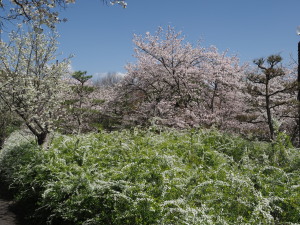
(268, 109)
(41, 138)
(270, 122)
(40, 135)
(1, 141)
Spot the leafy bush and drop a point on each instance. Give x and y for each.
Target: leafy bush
(157, 177)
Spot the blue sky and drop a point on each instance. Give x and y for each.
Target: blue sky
(100, 36)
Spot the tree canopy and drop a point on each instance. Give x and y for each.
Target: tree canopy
(31, 80)
(40, 12)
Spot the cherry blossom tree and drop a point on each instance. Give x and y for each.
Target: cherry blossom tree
(40, 12)
(37, 11)
(178, 84)
(31, 80)
(106, 116)
(222, 95)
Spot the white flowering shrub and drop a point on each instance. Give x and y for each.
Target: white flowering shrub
(14, 155)
(157, 177)
(8, 123)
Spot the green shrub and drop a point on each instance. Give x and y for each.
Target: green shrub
(163, 177)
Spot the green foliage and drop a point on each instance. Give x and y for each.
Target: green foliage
(82, 105)
(81, 76)
(157, 177)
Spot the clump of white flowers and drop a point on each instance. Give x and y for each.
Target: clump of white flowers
(122, 3)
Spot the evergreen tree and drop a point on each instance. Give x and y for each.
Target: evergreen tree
(269, 89)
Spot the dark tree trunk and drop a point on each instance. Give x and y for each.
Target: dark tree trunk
(41, 138)
(268, 108)
(269, 116)
(1, 142)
